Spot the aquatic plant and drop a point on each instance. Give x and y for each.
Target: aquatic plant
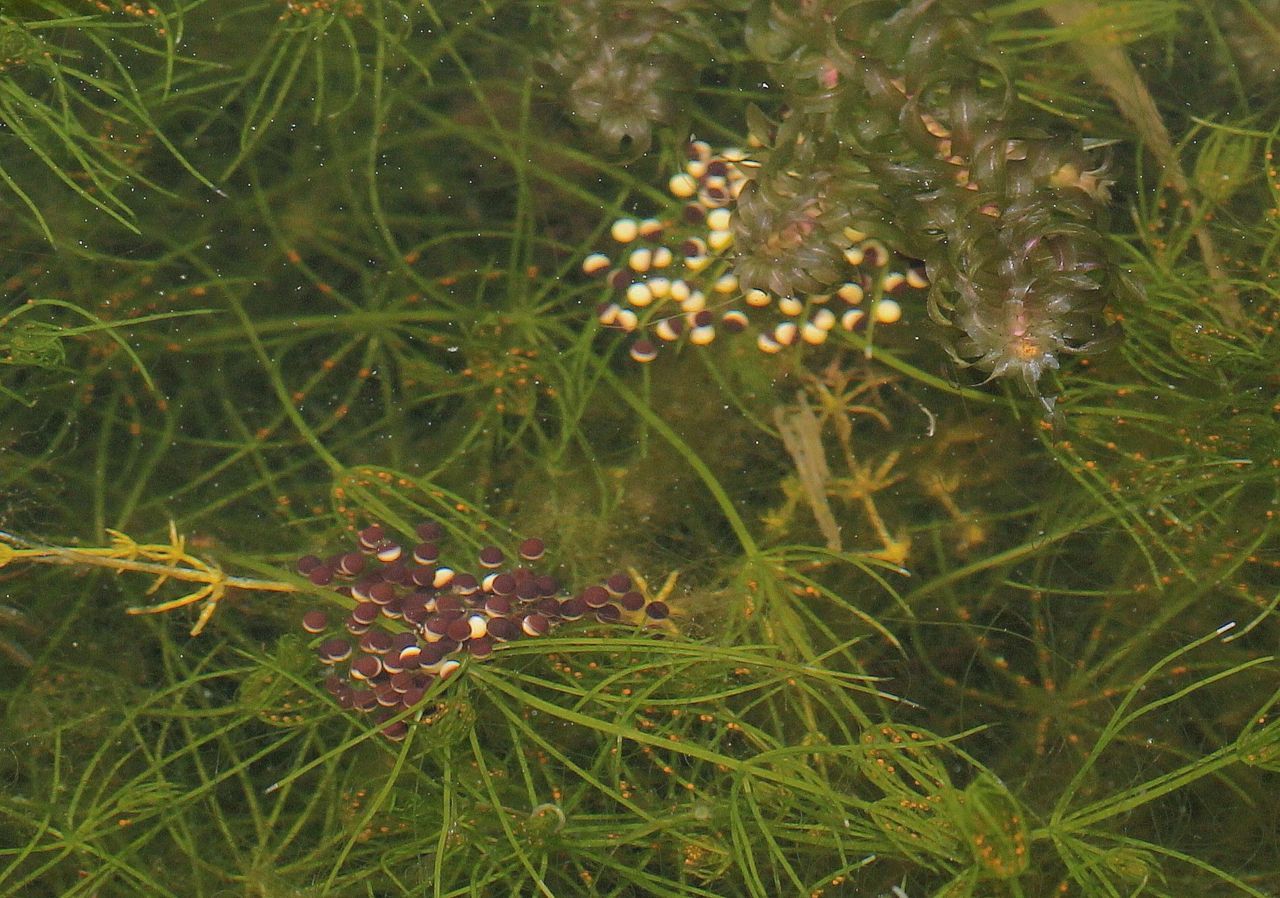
(917, 121)
(926, 642)
(627, 65)
(166, 562)
(67, 100)
(1252, 31)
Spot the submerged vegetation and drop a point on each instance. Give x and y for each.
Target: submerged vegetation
(288, 276)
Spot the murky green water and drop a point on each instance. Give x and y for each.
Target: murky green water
(874, 497)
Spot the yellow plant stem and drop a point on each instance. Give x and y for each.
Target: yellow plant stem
(164, 561)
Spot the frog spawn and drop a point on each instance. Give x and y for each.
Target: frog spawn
(674, 279)
(414, 618)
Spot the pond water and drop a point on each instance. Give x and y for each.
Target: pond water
(639, 447)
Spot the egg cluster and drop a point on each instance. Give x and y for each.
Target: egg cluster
(414, 619)
(675, 278)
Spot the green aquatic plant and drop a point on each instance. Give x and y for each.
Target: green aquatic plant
(934, 154)
(628, 65)
(920, 640)
(69, 98)
(35, 343)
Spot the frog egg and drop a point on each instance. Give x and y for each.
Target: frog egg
(596, 263)
(715, 185)
(766, 344)
(669, 329)
(695, 302)
(619, 278)
(702, 335)
(851, 293)
(693, 248)
(726, 284)
(371, 537)
(790, 305)
(702, 328)
(683, 185)
(888, 311)
(643, 351)
(624, 230)
(650, 228)
(532, 549)
(639, 295)
(785, 333)
(812, 334)
(608, 314)
(535, 624)
(874, 253)
(315, 621)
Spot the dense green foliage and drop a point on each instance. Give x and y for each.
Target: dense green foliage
(275, 269)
